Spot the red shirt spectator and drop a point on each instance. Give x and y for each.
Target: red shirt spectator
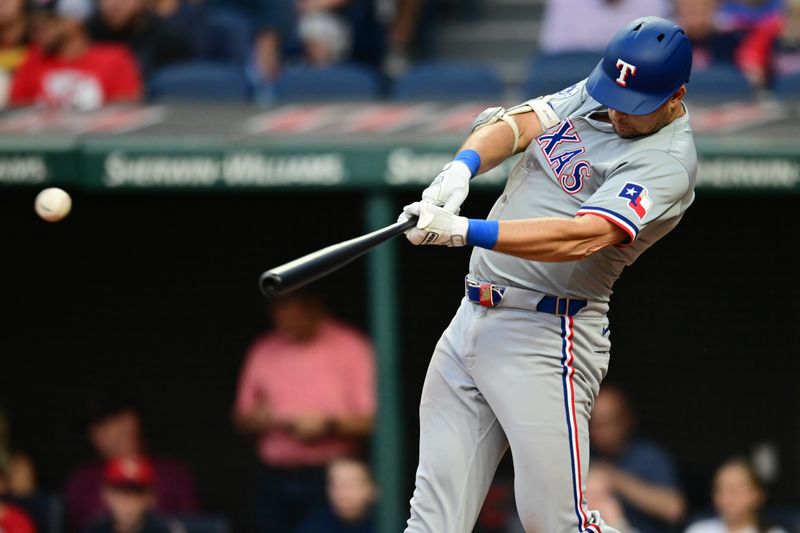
(65, 69)
(104, 74)
(14, 520)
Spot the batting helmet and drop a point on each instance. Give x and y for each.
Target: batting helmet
(644, 64)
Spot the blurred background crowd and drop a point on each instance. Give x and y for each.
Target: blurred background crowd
(84, 53)
(306, 393)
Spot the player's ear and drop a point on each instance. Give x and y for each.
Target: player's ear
(679, 95)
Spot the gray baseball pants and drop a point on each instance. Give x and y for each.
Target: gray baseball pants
(515, 377)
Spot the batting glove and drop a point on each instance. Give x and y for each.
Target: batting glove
(435, 225)
(450, 188)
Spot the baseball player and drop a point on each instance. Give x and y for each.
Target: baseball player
(608, 168)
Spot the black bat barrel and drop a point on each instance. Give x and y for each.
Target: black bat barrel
(295, 274)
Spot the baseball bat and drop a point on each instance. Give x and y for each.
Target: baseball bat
(295, 274)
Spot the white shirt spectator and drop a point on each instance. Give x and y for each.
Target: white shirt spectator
(715, 525)
(575, 25)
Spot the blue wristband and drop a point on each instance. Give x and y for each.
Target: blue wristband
(471, 158)
(482, 233)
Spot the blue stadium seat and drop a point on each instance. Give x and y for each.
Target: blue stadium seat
(200, 81)
(204, 524)
(788, 87)
(46, 511)
(550, 73)
(228, 37)
(445, 81)
(717, 84)
(336, 83)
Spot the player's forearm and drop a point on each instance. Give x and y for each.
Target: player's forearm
(493, 143)
(662, 502)
(550, 239)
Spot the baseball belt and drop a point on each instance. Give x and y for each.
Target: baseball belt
(491, 295)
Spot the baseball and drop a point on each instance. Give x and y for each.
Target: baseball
(53, 204)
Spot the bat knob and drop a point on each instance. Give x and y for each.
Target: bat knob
(271, 284)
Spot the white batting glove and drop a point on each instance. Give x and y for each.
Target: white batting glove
(436, 225)
(450, 188)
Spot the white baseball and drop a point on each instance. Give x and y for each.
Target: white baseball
(53, 204)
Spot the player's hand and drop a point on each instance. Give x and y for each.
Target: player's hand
(450, 188)
(435, 225)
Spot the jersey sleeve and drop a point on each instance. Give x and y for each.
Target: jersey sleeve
(650, 187)
(564, 102)
(569, 100)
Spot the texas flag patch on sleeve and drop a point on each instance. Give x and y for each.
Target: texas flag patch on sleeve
(638, 200)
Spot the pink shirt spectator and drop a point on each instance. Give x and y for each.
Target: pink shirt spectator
(333, 375)
(579, 25)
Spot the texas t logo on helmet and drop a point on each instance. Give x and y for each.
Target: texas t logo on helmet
(625, 70)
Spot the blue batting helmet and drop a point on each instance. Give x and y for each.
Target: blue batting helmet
(644, 64)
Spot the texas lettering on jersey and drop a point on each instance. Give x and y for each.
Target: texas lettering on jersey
(569, 173)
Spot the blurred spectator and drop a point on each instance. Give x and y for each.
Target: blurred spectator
(587, 25)
(326, 37)
(638, 472)
(758, 23)
(787, 54)
(409, 23)
(734, 33)
(600, 497)
(738, 496)
(185, 17)
(351, 499)
(710, 45)
(115, 431)
(499, 513)
(12, 518)
(65, 69)
(154, 42)
(307, 390)
(19, 472)
(14, 40)
(316, 32)
(129, 498)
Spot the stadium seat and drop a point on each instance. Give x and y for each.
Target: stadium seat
(204, 524)
(200, 81)
(46, 511)
(550, 73)
(788, 87)
(718, 84)
(227, 37)
(455, 81)
(337, 83)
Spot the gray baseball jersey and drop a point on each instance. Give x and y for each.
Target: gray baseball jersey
(580, 167)
(514, 376)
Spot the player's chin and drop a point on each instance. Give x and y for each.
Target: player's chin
(626, 133)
